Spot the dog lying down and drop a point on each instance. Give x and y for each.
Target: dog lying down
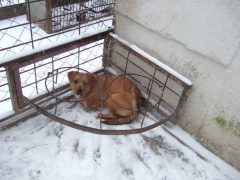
(119, 94)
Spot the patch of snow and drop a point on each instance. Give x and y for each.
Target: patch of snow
(197, 147)
(6, 112)
(42, 149)
(41, 49)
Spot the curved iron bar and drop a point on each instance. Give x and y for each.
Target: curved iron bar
(95, 130)
(98, 130)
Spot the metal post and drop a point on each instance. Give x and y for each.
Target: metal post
(12, 88)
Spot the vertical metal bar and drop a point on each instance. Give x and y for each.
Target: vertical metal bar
(35, 74)
(125, 70)
(12, 88)
(55, 109)
(101, 113)
(106, 52)
(114, 16)
(30, 23)
(56, 76)
(145, 112)
(149, 93)
(48, 16)
(163, 88)
(180, 103)
(17, 81)
(79, 11)
(53, 84)
(55, 16)
(79, 56)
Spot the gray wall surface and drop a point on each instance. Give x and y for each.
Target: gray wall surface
(201, 40)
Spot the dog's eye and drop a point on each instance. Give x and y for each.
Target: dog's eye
(85, 83)
(75, 81)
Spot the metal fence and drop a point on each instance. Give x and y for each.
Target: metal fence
(31, 76)
(163, 89)
(46, 22)
(20, 35)
(30, 52)
(25, 75)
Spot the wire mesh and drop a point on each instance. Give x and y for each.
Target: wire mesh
(33, 76)
(21, 32)
(163, 92)
(26, 27)
(5, 101)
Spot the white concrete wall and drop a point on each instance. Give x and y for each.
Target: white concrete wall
(201, 40)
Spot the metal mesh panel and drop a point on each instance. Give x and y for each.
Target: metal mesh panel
(21, 32)
(33, 76)
(5, 102)
(35, 23)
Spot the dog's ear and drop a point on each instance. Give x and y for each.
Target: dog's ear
(71, 75)
(90, 78)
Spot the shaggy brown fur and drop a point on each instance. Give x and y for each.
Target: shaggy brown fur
(124, 103)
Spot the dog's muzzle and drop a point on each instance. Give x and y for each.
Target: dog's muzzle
(79, 91)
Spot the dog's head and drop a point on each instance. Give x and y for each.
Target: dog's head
(81, 83)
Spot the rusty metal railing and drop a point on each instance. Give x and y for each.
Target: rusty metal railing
(25, 74)
(33, 23)
(164, 90)
(164, 86)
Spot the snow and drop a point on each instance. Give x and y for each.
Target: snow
(197, 147)
(9, 37)
(15, 34)
(41, 49)
(42, 149)
(153, 59)
(6, 112)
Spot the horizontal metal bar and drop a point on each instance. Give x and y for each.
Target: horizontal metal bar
(1, 85)
(149, 62)
(2, 100)
(46, 53)
(55, 60)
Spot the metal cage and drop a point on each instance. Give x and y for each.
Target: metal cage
(163, 89)
(54, 16)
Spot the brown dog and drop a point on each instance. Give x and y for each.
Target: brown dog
(119, 94)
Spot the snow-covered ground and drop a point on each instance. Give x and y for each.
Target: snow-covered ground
(42, 149)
